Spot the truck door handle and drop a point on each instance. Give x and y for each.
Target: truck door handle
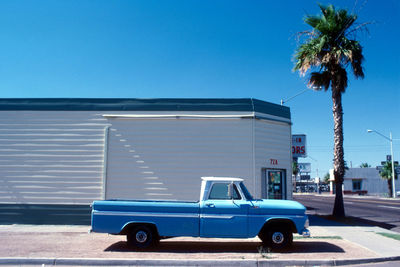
(210, 205)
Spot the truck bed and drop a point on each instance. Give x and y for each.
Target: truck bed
(172, 217)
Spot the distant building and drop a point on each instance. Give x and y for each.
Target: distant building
(363, 181)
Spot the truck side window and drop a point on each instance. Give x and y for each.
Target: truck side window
(220, 191)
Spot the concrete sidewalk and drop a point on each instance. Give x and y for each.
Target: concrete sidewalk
(369, 237)
(332, 244)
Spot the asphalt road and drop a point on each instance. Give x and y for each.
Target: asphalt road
(380, 212)
(380, 264)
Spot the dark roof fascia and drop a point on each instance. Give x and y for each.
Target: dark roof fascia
(136, 104)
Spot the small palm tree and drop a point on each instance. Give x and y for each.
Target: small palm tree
(295, 168)
(327, 177)
(330, 50)
(386, 173)
(295, 171)
(365, 165)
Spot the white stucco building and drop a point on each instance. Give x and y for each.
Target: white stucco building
(74, 151)
(364, 181)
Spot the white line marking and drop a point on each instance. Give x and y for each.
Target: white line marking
(389, 207)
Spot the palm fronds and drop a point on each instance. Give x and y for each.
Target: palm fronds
(329, 48)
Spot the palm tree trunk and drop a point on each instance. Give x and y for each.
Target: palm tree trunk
(389, 181)
(338, 153)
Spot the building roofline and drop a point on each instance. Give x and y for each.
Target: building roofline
(142, 104)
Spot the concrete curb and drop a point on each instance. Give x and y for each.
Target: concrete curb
(168, 262)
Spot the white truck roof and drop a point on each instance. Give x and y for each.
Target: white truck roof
(211, 178)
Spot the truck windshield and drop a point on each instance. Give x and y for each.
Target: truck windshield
(246, 193)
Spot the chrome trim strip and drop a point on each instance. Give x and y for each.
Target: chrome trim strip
(187, 215)
(283, 216)
(229, 216)
(219, 216)
(145, 214)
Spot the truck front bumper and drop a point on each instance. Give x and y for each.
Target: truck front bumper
(305, 233)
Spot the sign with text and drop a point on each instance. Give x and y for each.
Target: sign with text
(299, 146)
(273, 161)
(304, 167)
(305, 177)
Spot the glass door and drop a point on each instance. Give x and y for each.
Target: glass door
(275, 184)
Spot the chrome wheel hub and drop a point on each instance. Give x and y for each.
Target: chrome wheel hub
(141, 236)
(278, 238)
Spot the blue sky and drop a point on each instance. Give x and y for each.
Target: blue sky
(203, 49)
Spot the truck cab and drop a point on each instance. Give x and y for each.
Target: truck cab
(227, 209)
(223, 206)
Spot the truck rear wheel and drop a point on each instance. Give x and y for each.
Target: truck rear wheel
(141, 236)
(277, 237)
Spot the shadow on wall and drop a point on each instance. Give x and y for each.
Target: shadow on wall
(45, 214)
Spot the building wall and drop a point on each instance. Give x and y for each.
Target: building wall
(164, 158)
(51, 157)
(371, 181)
(272, 142)
(57, 157)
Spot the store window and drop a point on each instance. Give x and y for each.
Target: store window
(357, 184)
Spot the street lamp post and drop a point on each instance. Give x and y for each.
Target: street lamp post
(391, 153)
(290, 98)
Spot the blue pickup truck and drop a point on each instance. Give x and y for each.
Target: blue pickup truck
(226, 210)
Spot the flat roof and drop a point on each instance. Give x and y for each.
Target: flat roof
(137, 104)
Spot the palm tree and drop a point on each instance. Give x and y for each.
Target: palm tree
(295, 168)
(386, 173)
(295, 171)
(365, 165)
(330, 50)
(327, 177)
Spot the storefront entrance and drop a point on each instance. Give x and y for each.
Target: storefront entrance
(274, 183)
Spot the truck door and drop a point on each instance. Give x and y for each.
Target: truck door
(221, 216)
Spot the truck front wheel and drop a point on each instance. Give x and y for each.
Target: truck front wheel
(277, 237)
(141, 237)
